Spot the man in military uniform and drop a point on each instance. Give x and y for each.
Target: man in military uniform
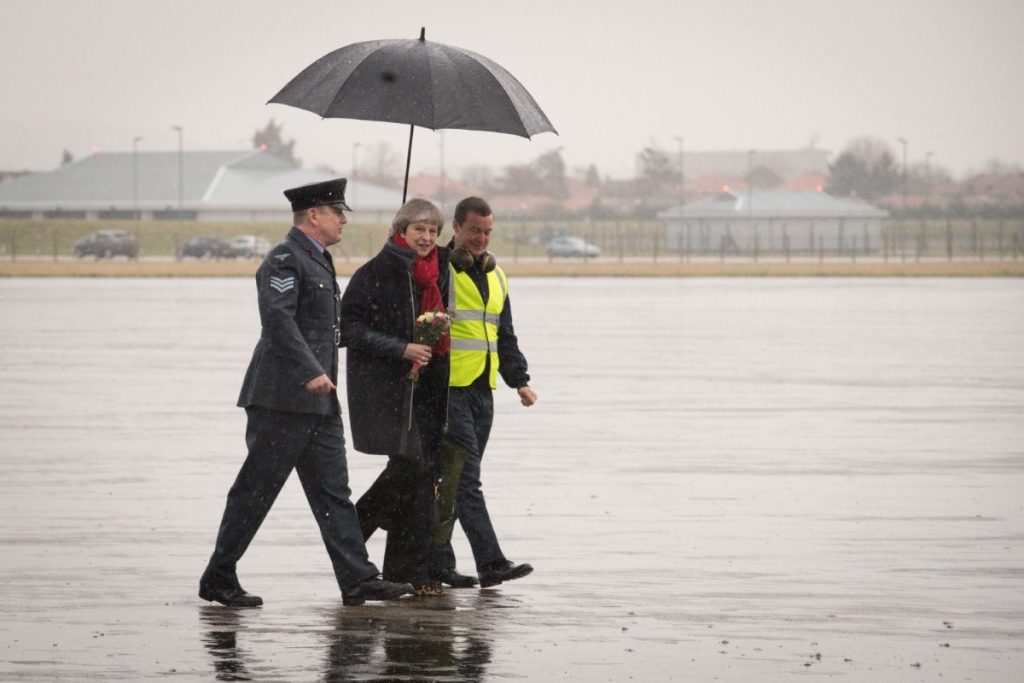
(291, 402)
(483, 343)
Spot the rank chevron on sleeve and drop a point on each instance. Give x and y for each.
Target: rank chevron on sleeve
(282, 284)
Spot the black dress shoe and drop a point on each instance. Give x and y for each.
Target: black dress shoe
(374, 589)
(455, 579)
(234, 596)
(503, 571)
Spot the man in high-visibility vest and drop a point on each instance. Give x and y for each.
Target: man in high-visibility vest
(483, 344)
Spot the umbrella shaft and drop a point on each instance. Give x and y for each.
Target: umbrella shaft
(408, 160)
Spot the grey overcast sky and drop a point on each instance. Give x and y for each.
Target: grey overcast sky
(613, 77)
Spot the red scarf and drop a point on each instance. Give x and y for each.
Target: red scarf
(424, 274)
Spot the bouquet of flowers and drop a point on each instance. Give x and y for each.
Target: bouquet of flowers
(429, 328)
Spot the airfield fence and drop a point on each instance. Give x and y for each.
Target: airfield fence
(618, 240)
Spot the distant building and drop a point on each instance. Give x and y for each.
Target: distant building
(7, 175)
(765, 220)
(579, 198)
(996, 189)
(807, 181)
(444, 191)
(218, 185)
(786, 163)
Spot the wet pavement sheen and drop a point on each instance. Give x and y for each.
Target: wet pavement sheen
(731, 479)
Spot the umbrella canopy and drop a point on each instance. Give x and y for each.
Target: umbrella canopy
(419, 83)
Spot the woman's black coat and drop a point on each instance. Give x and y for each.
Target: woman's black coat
(390, 414)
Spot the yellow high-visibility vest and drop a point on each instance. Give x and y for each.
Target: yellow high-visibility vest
(475, 326)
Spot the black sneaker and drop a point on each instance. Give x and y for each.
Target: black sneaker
(374, 589)
(503, 571)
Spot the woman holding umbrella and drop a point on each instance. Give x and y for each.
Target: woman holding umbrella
(392, 410)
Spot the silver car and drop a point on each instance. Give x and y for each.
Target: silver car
(247, 246)
(568, 247)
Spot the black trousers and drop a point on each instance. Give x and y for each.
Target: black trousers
(401, 500)
(314, 446)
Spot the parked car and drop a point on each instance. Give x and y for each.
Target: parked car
(203, 247)
(247, 246)
(572, 246)
(107, 244)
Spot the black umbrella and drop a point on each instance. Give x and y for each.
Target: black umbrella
(416, 82)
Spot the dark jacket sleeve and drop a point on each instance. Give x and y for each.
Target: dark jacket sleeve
(511, 361)
(278, 283)
(357, 313)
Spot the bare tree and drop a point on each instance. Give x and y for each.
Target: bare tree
(270, 139)
(923, 177)
(658, 176)
(551, 174)
(520, 179)
(481, 177)
(381, 165)
(865, 168)
(997, 166)
(869, 150)
(544, 176)
(588, 175)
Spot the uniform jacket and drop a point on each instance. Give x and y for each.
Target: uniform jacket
(299, 301)
(378, 311)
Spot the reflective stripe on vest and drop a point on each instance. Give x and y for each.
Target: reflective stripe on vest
(475, 328)
(474, 345)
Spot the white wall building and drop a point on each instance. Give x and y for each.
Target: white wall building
(217, 185)
(765, 221)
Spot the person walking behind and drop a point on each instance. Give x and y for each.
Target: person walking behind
(392, 413)
(483, 344)
(291, 402)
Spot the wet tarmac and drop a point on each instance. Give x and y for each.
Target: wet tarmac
(724, 479)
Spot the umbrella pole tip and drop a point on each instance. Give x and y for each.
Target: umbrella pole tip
(423, 32)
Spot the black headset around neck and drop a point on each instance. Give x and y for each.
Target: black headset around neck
(463, 260)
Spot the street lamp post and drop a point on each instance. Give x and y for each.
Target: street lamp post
(750, 200)
(682, 196)
(135, 175)
(750, 184)
(928, 175)
(181, 171)
(903, 223)
(903, 142)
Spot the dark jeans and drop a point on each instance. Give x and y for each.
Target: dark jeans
(314, 446)
(470, 415)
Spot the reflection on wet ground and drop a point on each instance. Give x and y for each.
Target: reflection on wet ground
(724, 479)
(221, 639)
(440, 639)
